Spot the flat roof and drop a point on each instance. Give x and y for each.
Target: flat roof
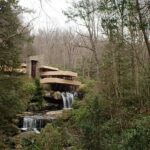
(48, 68)
(23, 65)
(59, 73)
(59, 81)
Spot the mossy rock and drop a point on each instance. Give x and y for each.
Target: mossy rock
(33, 107)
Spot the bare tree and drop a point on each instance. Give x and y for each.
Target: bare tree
(88, 21)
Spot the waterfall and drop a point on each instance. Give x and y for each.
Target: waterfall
(64, 100)
(68, 99)
(32, 123)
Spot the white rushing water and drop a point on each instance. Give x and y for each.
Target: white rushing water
(32, 123)
(68, 99)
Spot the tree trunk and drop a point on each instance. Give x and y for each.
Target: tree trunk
(142, 27)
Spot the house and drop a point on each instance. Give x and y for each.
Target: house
(59, 80)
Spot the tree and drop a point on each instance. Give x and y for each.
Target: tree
(11, 34)
(64, 53)
(124, 31)
(83, 13)
(38, 95)
(13, 96)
